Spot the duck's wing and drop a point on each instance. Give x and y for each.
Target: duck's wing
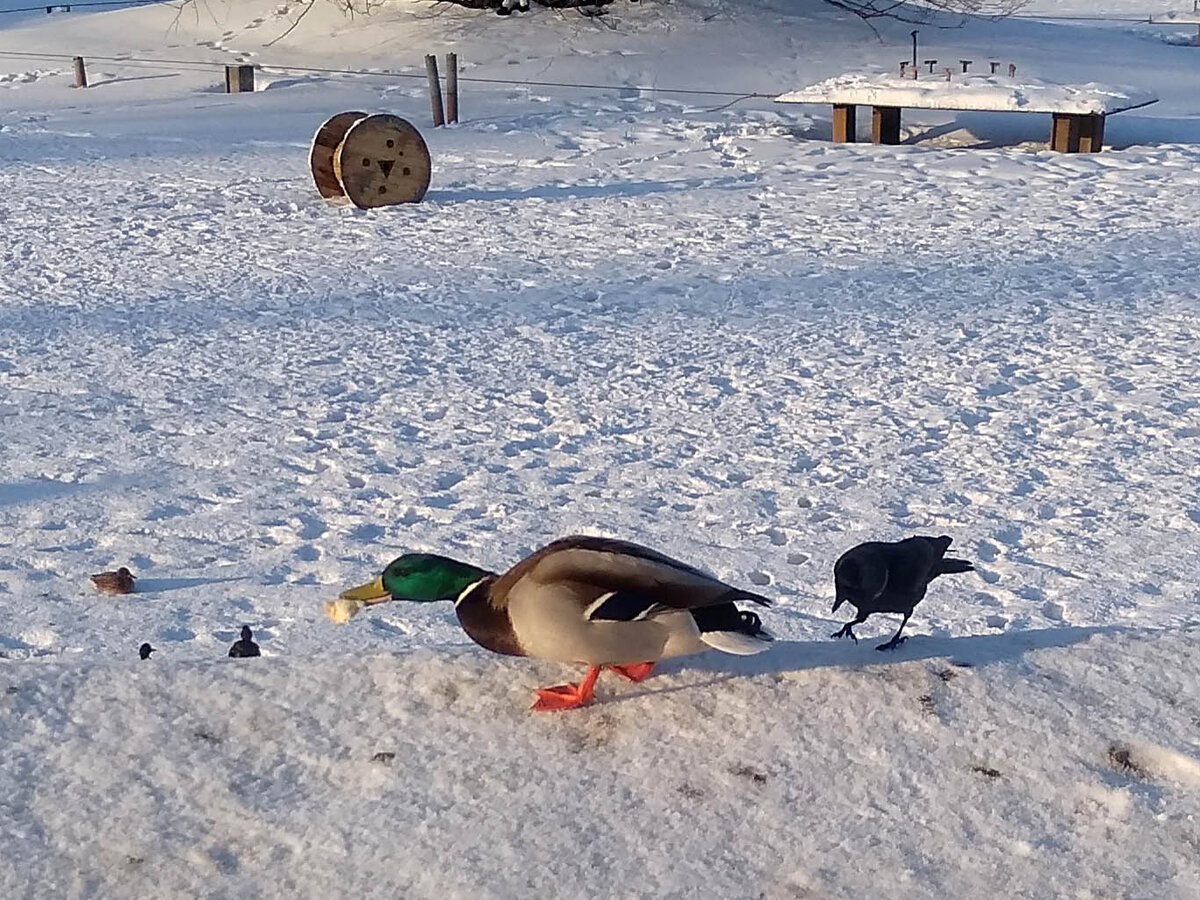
(109, 583)
(620, 581)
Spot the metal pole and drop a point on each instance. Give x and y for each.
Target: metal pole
(914, 37)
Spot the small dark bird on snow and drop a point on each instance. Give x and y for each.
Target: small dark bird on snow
(118, 582)
(890, 578)
(246, 646)
(145, 650)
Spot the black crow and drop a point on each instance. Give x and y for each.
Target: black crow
(891, 578)
(246, 646)
(145, 650)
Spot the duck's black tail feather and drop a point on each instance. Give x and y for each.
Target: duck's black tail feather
(752, 625)
(725, 627)
(737, 595)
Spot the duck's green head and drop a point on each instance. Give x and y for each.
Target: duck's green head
(419, 577)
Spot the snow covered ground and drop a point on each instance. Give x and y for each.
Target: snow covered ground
(620, 312)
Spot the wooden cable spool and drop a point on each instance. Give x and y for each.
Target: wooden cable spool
(370, 160)
(324, 145)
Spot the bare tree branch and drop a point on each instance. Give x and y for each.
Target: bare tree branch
(292, 27)
(912, 11)
(921, 12)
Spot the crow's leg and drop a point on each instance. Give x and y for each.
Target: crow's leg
(896, 640)
(846, 629)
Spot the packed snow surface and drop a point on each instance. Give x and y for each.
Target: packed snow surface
(966, 91)
(1179, 16)
(618, 311)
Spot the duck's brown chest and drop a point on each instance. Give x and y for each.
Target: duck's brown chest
(488, 626)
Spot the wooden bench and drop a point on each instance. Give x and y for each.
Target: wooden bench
(1077, 112)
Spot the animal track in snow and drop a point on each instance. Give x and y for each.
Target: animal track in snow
(777, 537)
(986, 551)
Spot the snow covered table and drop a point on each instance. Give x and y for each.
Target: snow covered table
(1180, 18)
(1078, 111)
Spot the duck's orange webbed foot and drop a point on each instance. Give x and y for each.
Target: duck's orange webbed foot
(634, 671)
(567, 696)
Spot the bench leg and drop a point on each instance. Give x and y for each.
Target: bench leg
(843, 123)
(1064, 132)
(885, 124)
(1091, 134)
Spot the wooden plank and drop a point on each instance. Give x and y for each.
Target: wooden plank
(844, 123)
(1091, 134)
(885, 124)
(1064, 132)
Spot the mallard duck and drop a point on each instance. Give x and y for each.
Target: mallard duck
(892, 578)
(118, 582)
(246, 646)
(601, 602)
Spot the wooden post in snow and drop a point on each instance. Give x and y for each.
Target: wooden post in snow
(80, 73)
(1091, 133)
(435, 90)
(885, 124)
(451, 88)
(843, 123)
(239, 79)
(1064, 132)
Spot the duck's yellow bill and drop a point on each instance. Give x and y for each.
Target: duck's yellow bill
(350, 603)
(371, 592)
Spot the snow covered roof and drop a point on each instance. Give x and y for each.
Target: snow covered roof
(976, 92)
